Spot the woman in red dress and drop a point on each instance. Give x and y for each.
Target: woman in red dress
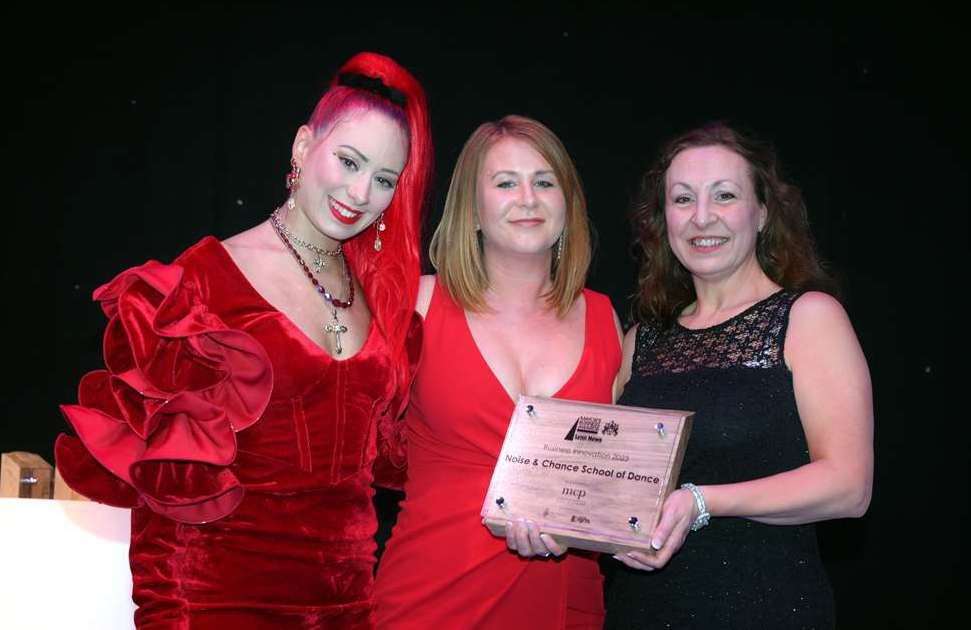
(251, 384)
(506, 315)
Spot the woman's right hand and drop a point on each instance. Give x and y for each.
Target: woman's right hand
(677, 515)
(523, 537)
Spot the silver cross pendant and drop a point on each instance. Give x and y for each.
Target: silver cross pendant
(337, 329)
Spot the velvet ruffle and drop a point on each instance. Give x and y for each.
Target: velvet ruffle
(158, 426)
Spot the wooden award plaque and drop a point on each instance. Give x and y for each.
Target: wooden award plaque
(592, 476)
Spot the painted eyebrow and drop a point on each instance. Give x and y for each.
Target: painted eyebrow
(366, 160)
(359, 154)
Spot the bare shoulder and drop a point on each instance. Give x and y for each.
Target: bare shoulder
(255, 238)
(260, 255)
(426, 287)
(814, 311)
(818, 326)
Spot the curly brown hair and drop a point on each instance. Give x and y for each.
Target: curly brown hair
(785, 248)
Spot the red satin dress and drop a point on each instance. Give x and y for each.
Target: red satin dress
(442, 568)
(244, 450)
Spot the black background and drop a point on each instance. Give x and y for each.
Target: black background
(133, 131)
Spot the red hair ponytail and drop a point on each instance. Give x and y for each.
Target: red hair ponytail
(389, 277)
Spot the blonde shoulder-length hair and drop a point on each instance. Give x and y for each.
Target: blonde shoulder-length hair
(455, 250)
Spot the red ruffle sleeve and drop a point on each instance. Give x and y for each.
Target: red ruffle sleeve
(158, 426)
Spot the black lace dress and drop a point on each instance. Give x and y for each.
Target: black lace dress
(735, 573)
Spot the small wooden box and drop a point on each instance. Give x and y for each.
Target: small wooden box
(63, 491)
(25, 475)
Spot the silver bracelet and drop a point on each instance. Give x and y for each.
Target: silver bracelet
(703, 514)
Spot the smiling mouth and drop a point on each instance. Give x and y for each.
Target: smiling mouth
(707, 242)
(528, 222)
(343, 213)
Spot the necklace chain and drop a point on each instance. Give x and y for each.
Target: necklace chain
(335, 327)
(319, 252)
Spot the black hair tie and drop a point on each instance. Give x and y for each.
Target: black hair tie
(373, 85)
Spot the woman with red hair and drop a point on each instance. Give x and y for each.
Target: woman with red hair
(253, 384)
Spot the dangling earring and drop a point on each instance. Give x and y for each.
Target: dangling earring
(559, 245)
(293, 181)
(293, 177)
(378, 228)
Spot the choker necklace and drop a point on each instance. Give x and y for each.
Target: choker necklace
(335, 327)
(319, 252)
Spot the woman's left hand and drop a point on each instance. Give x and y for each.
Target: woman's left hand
(677, 515)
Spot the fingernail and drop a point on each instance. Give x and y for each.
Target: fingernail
(656, 544)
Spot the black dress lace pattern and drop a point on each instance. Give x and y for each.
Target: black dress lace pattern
(735, 573)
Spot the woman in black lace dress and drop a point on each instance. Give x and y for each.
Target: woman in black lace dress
(733, 326)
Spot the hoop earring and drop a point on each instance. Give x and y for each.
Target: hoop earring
(293, 177)
(378, 228)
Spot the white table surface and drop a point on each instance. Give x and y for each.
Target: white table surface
(64, 564)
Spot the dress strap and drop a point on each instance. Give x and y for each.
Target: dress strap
(601, 328)
(787, 299)
(440, 301)
(445, 319)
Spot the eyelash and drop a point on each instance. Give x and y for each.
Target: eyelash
(348, 163)
(351, 165)
(719, 196)
(540, 183)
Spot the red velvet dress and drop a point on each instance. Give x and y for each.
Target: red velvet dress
(442, 568)
(244, 450)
